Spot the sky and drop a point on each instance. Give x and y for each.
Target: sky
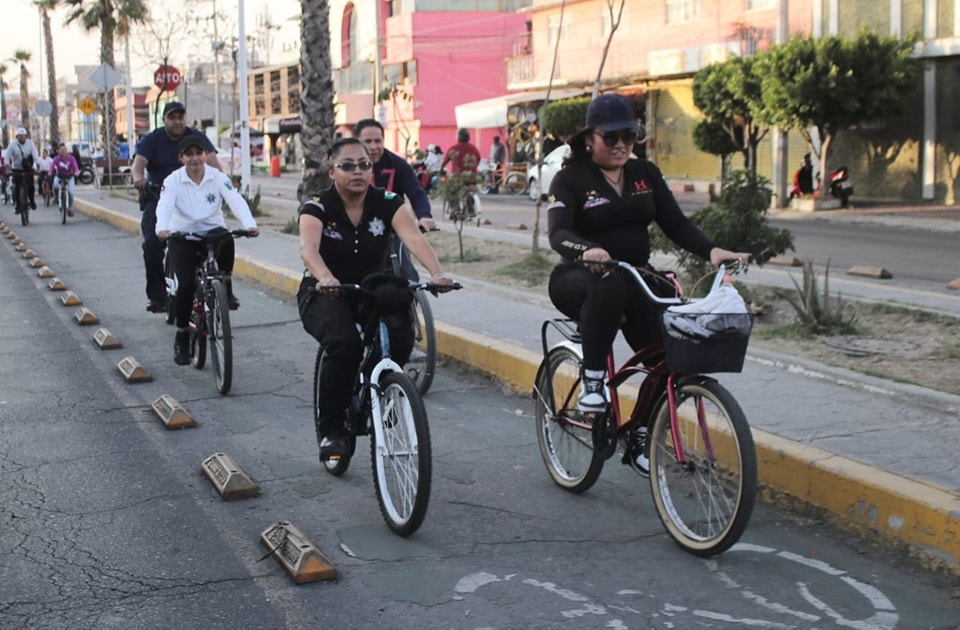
(72, 46)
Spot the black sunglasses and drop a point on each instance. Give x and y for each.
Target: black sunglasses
(610, 138)
(349, 167)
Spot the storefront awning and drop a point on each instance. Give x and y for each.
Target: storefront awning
(492, 112)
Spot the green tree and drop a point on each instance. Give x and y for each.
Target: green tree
(45, 7)
(316, 97)
(729, 95)
(22, 57)
(710, 137)
(111, 18)
(825, 85)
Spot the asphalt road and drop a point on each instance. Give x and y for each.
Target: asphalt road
(109, 522)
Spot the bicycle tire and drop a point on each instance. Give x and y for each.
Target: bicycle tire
(47, 193)
(62, 203)
(706, 503)
(86, 176)
(22, 205)
(565, 435)
(170, 300)
(422, 364)
(516, 183)
(221, 338)
(402, 464)
(198, 346)
(335, 467)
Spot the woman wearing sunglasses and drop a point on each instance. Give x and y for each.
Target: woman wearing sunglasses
(602, 203)
(344, 237)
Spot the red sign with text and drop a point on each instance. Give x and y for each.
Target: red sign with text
(166, 78)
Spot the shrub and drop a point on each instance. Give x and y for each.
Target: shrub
(819, 315)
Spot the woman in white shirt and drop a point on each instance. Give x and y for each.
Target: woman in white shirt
(190, 201)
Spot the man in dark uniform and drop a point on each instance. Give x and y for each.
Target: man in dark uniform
(158, 156)
(393, 174)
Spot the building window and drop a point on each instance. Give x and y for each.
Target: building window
(757, 5)
(553, 29)
(680, 11)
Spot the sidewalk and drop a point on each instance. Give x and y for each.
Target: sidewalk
(874, 456)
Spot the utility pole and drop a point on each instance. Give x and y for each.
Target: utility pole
(779, 199)
(131, 127)
(217, 45)
(244, 103)
(377, 62)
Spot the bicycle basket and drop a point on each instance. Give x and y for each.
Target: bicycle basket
(704, 343)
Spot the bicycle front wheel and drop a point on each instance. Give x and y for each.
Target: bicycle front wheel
(402, 459)
(705, 502)
(221, 340)
(564, 433)
(423, 359)
(23, 205)
(516, 183)
(198, 324)
(63, 204)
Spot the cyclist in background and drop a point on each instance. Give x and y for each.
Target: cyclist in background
(463, 157)
(64, 168)
(22, 157)
(191, 200)
(158, 156)
(43, 168)
(393, 174)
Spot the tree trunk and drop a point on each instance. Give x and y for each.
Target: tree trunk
(24, 97)
(316, 97)
(107, 137)
(51, 80)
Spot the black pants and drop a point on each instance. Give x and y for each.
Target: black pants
(184, 258)
(152, 246)
(333, 322)
(603, 304)
(27, 178)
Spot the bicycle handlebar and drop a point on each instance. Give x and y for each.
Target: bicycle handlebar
(198, 236)
(433, 287)
(733, 266)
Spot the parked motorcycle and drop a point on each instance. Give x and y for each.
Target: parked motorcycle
(87, 174)
(840, 186)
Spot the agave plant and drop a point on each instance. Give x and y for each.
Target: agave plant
(819, 315)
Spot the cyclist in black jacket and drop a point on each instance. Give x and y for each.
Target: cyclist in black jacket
(392, 173)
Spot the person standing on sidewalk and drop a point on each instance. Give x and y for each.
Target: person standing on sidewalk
(497, 160)
(158, 156)
(393, 174)
(602, 204)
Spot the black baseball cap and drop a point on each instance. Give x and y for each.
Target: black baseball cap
(173, 106)
(611, 112)
(191, 140)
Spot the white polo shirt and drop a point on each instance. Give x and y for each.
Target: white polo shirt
(188, 207)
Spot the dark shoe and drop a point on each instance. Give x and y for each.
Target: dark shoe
(332, 448)
(181, 348)
(70, 212)
(16, 211)
(33, 205)
(156, 306)
(639, 461)
(233, 302)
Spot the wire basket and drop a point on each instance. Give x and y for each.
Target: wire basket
(694, 345)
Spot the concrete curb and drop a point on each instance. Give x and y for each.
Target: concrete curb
(922, 517)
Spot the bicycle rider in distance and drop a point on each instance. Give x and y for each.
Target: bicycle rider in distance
(344, 237)
(602, 203)
(22, 156)
(393, 174)
(191, 200)
(64, 169)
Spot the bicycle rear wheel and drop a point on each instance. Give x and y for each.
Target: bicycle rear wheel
(335, 467)
(705, 503)
(62, 203)
(564, 433)
(516, 183)
(22, 205)
(402, 461)
(423, 359)
(198, 346)
(221, 339)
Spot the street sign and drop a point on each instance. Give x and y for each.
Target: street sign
(42, 108)
(87, 105)
(167, 78)
(105, 78)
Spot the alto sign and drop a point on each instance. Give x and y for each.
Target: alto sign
(166, 78)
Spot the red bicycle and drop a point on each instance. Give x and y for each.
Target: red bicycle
(686, 432)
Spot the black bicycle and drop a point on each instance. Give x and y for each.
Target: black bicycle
(210, 316)
(21, 202)
(63, 199)
(386, 406)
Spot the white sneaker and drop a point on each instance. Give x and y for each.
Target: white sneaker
(640, 462)
(593, 392)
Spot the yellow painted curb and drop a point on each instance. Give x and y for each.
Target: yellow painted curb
(273, 276)
(122, 221)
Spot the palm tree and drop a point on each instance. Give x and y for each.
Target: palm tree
(23, 57)
(316, 97)
(110, 17)
(3, 105)
(45, 7)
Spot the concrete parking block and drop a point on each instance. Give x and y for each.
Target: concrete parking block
(954, 284)
(299, 557)
(870, 271)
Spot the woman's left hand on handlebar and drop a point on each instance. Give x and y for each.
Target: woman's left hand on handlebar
(163, 235)
(254, 232)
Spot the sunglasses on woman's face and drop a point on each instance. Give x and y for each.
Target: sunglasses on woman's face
(610, 138)
(349, 167)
